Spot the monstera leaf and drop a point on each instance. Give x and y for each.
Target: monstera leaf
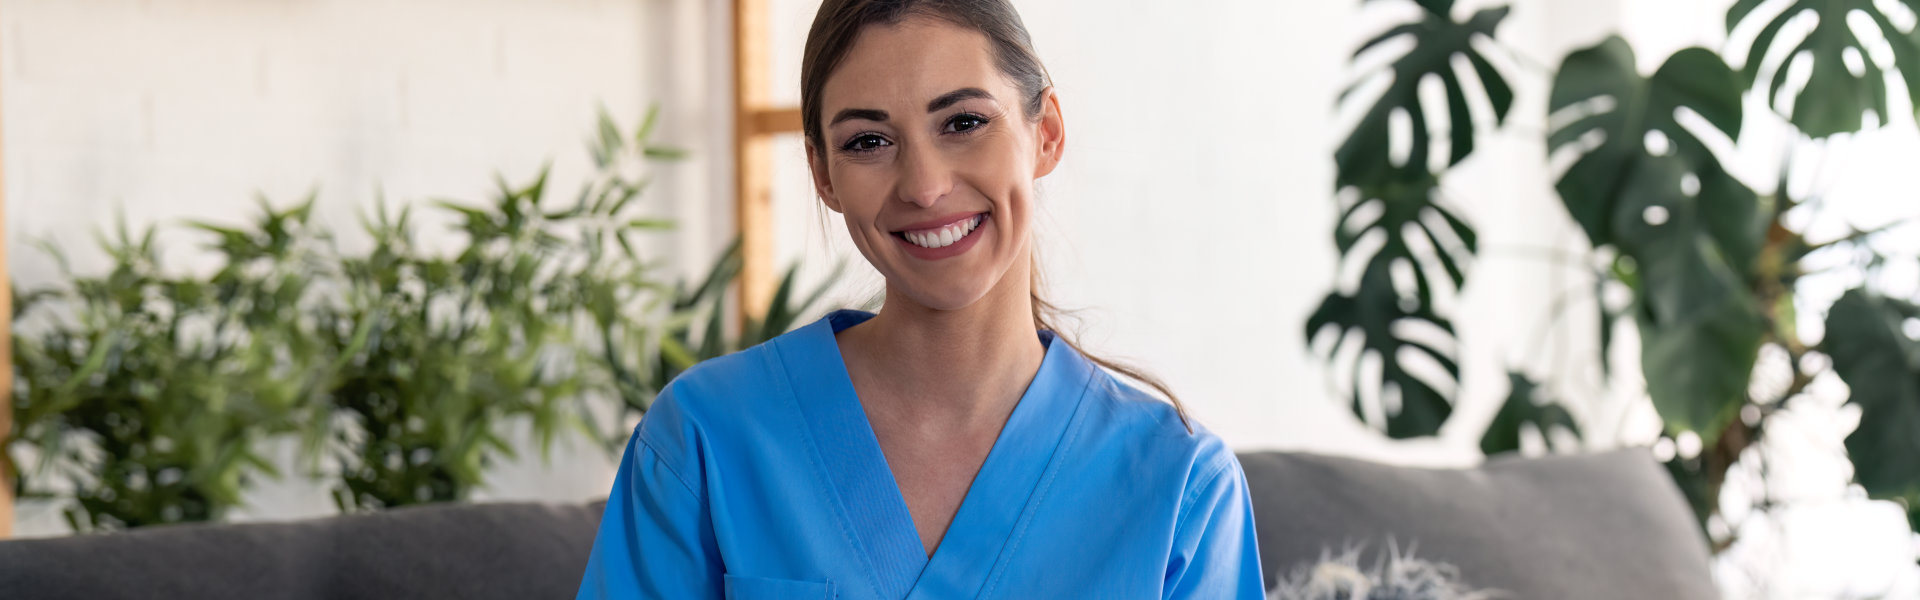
(1649, 187)
(1375, 311)
(1524, 408)
(1873, 352)
(1364, 157)
(1836, 96)
(1420, 233)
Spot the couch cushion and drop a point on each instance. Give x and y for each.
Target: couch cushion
(1608, 525)
(450, 551)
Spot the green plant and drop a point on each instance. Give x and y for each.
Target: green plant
(146, 395)
(435, 354)
(1712, 264)
(1397, 201)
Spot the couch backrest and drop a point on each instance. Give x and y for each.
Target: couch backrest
(479, 551)
(1607, 525)
(1604, 526)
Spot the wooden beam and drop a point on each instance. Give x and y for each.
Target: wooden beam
(772, 121)
(755, 122)
(752, 158)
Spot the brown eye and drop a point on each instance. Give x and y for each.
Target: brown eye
(865, 143)
(964, 122)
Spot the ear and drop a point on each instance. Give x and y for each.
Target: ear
(822, 185)
(1051, 132)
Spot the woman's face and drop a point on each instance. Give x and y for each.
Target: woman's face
(927, 153)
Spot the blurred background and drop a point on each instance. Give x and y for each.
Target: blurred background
(281, 260)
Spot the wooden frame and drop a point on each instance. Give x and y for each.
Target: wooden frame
(755, 122)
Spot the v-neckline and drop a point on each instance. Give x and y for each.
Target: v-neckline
(872, 507)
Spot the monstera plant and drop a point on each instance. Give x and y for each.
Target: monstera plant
(1712, 264)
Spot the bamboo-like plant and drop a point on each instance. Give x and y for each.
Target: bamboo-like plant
(146, 395)
(435, 355)
(1711, 263)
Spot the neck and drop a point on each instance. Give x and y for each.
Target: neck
(966, 365)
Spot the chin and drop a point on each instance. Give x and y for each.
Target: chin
(948, 295)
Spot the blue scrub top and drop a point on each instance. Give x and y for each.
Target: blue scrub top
(755, 476)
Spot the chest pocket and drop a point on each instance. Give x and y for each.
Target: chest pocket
(741, 587)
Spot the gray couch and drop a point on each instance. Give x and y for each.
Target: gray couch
(1597, 526)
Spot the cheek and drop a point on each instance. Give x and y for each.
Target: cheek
(860, 190)
(1001, 173)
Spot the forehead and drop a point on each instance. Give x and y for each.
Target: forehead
(911, 62)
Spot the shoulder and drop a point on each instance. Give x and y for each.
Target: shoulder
(711, 402)
(1124, 420)
(713, 384)
(748, 379)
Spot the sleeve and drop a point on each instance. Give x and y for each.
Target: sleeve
(656, 537)
(1215, 551)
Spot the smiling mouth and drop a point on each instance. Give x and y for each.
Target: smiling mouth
(941, 237)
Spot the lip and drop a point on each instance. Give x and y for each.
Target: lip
(955, 249)
(938, 222)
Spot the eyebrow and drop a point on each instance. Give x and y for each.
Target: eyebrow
(944, 101)
(954, 97)
(859, 113)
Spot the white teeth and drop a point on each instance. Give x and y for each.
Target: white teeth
(945, 236)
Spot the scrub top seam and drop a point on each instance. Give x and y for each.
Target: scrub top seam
(1046, 485)
(1193, 493)
(1186, 515)
(820, 476)
(660, 457)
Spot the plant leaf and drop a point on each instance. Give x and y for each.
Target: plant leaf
(645, 132)
(1408, 212)
(1364, 157)
(1371, 315)
(1834, 98)
(664, 153)
(653, 224)
(1872, 350)
(1651, 188)
(1522, 409)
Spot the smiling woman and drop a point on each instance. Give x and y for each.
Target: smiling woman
(952, 445)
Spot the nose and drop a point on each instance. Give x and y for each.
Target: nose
(925, 176)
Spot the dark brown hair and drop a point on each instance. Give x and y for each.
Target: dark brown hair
(838, 25)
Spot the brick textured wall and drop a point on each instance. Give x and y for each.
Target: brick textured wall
(180, 108)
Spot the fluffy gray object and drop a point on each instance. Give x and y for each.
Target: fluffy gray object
(1396, 576)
